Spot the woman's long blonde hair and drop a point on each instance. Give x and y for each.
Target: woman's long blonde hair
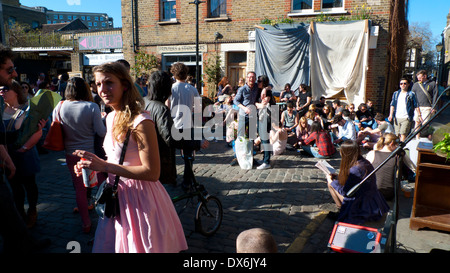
(132, 102)
(386, 139)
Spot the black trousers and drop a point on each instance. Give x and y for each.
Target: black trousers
(15, 235)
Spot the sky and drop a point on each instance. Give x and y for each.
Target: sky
(110, 7)
(432, 11)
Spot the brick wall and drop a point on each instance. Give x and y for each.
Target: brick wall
(243, 16)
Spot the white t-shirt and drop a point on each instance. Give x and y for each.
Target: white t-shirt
(401, 111)
(182, 103)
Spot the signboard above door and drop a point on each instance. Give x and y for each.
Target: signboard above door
(100, 42)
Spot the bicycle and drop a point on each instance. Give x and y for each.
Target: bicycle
(209, 211)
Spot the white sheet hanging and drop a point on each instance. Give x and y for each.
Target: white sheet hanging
(339, 59)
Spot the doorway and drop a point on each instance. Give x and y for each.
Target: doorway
(236, 67)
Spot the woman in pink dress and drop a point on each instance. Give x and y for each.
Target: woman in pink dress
(148, 222)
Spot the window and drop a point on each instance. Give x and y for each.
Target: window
(96, 18)
(75, 17)
(101, 18)
(88, 18)
(12, 21)
(330, 4)
(61, 17)
(49, 22)
(299, 5)
(83, 18)
(69, 17)
(217, 8)
(103, 24)
(168, 10)
(90, 24)
(55, 16)
(95, 24)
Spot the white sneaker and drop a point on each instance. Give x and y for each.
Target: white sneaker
(263, 166)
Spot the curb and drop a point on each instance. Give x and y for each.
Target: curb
(301, 240)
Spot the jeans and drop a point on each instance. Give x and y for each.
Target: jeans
(314, 151)
(265, 144)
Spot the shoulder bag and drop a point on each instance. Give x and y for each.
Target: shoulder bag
(426, 93)
(106, 199)
(54, 140)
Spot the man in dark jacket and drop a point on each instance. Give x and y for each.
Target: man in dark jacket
(159, 90)
(403, 105)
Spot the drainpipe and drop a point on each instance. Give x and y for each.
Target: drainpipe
(134, 24)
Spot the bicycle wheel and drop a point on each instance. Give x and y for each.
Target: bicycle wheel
(208, 216)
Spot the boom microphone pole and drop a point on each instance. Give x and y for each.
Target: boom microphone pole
(400, 147)
(392, 219)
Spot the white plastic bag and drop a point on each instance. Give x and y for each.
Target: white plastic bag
(244, 152)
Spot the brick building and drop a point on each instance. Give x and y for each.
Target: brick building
(167, 29)
(12, 12)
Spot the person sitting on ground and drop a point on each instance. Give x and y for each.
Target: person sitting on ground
(323, 147)
(386, 144)
(278, 138)
(365, 118)
(367, 203)
(303, 131)
(370, 107)
(287, 94)
(425, 136)
(312, 114)
(368, 137)
(289, 120)
(347, 130)
(320, 104)
(327, 117)
(256, 240)
(351, 109)
(337, 107)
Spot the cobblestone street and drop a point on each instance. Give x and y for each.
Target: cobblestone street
(283, 200)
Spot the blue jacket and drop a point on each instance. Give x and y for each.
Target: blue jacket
(410, 100)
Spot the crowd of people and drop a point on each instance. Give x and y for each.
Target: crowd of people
(320, 129)
(89, 128)
(96, 117)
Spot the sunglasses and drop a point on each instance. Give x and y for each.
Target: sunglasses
(4, 89)
(403, 83)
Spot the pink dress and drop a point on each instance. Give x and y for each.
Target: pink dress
(148, 222)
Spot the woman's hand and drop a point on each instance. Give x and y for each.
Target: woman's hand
(42, 123)
(331, 177)
(91, 161)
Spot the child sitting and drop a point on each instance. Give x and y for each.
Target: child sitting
(289, 120)
(278, 139)
(303, 131)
